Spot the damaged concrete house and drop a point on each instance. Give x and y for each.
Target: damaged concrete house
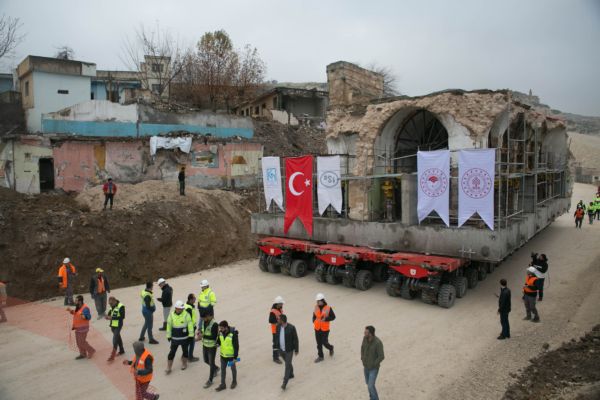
(79, 133)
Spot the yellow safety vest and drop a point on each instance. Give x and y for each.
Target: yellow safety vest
(206, 331)
(115, 314)
(147, 293)
(179, 326)
(190, 310)
(227, 350)
(207, 298)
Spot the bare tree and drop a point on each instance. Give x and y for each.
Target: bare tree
(390, 80)
(9, 35)
(64, 52)
(251, 73)
(157, 57)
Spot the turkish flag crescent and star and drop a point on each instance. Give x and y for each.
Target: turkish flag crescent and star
(299, 192)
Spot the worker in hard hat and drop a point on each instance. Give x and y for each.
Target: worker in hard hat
(180, 331)
(148, 309)
(166, 299)
(208, 332)
(276, 311)
(530, 293)
(116, 315)
(322, 316)
(81, 326)
(66, 280)
(207, 299)
(99, 287)
(142, 366)
(190, 308)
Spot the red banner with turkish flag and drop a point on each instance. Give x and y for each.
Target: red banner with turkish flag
(298, 192)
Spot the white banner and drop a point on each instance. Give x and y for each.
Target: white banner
(433, 184)
(329, 187)
(158, 142)
(476, 171)
(272, 181)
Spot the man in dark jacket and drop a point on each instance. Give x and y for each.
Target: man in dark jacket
(229, 348)
(285, 341)
(541, 264)
(181, 178)
(208, 332)
(166, 298)
(99, 287)
(371, 354)
(504, 309)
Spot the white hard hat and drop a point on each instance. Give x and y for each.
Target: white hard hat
(66, 260)
(320, 296)
(179, 304)
(204, 283)
(278, 300)
(161, 280)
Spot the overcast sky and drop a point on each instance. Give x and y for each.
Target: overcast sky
(549, 46)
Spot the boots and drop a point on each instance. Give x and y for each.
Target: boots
(164, 327)
(169, 366)
(113, 353)
(184, 363)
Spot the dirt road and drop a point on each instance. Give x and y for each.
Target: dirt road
(431, 353)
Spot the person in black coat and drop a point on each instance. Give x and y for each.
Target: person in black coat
(181, 178)
(540, 262)
(504, 309)
(166, 299)
(286, 342)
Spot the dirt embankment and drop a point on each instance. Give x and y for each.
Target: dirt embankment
(288, 141)
(152, 232)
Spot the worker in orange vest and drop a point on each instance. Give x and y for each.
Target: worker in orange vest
(530, 292)
(276, 311)
(81, 326)
(322, 316)
(66, 280)
(142, 368)
(99, 287)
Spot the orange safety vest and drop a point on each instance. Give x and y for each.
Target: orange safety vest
(100, 289)
(277, 315)
(579, 213)
(62, 273)
(79, 320)
(320, 315)
(530, 281)
(141, 364)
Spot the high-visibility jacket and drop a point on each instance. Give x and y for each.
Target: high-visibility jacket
(116, 315)
(207, 339)
(579, 213)
(101, 287)
(277, 314)
(192, 312)
(79, 320)
(179, 326)
(64, 275)
(530, 287)
(207, 298)
(320, 315)
(145, 293)
(138, 364)
(227, 350)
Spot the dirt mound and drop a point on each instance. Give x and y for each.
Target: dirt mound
(149, 234)
(285, 140)
(586, 149)
(569, 372)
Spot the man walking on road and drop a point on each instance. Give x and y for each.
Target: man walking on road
(371, 354)
(190, 308)
(109, 189)
(180, 331)
(166, 299)
(81, 326)
(148, 309)
(209, 332)
(285, 341)
(142, 368)
(66, 280)
(276, 311)
(99, 287)
(322, 316)
(229, 344)
(530, 292)
(504, 309)
(181, 178)
(207, 299)
(579, 213)
(116, 315)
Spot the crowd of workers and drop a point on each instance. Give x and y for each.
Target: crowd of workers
(592, 210)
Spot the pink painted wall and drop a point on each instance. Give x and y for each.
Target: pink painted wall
(74, 165)
(124, 160)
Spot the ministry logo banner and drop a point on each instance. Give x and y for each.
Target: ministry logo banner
(433, 184)
(476, 171)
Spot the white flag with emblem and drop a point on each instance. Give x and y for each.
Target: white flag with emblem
(433, 184)
(272, 181)
(476, 171)
(329, 187)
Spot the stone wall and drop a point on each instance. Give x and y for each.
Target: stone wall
(350, 84)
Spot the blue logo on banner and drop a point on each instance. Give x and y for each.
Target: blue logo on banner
(271, 175)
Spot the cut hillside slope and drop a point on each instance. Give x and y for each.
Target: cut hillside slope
(586, 149)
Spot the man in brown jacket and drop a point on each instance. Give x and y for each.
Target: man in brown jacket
(371, 354)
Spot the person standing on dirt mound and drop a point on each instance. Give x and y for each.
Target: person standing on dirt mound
(322, 316)
(148, 309)
(166, 300)
(99, 287)
(504, 309)
(181, 178)
(66, 280)
(109, 189)
(530, 292)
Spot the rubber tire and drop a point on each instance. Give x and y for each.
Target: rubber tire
(271, 266)
(446, 296)
(380, 273)
(364, 279)
(406, 292)
(298, 268)
(392, 288)
(491, 267)
(262, 262)
(320, 272)
(428, 296)
(482, 273)
(348, 281)
(285, 269)
(331, 279)
(460, 283)
(472, 278)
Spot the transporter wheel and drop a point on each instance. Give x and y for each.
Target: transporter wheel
(380, 272)
(406, 292)
(348, 281)
(330, 277)
(428, 296)
(320, 272)
(298, 268)
(364, 279)
(392, 287)
(460, 283)
(491, 267)
(262, 262)
(446, 296)
(472, 278)
(272, 266)
(482, 273)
